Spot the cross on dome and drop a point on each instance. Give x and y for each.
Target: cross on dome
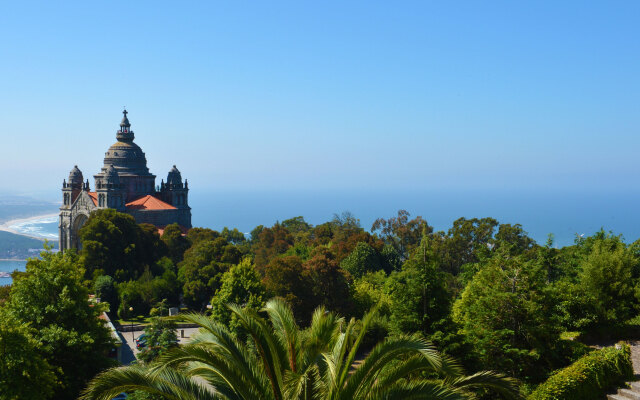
(125, 121)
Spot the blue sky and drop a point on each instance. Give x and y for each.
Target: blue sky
(539, 95)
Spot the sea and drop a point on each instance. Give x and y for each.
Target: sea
(566, 214)
(8, 266)
(45, 227)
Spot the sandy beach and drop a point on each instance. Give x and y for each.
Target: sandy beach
(7, 226)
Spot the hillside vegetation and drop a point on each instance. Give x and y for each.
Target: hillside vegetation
(19, 247)
(492, 301)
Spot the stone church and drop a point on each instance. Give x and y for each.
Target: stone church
(125, 184)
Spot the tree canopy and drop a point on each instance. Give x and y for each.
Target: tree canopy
(281, 361)
(51, 300)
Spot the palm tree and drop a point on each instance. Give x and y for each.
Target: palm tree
(280, 361)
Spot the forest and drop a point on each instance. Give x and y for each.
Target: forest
(478, 310)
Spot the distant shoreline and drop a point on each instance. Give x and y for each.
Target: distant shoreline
(13, 259)
(6, 226)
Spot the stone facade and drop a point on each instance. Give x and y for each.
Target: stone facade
(124, 183)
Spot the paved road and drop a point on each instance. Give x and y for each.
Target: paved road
(129, 350)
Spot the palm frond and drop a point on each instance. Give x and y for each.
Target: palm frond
(286, 330)
(499, 383)
(367, 319)
(246, 379)
(417, 390)
(168, 383)
(373, 366)
(266, 346)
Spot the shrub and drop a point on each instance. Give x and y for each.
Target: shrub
(589, 377)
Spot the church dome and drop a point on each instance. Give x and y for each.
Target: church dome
(174, 177)
(75, 176)
(124, 155)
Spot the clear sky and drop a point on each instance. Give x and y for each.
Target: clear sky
(540, 95)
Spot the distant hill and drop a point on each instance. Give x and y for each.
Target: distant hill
(18, 246)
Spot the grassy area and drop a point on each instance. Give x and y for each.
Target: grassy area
(139, 320)
(569, 335)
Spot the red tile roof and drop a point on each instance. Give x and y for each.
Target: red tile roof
(149, 202)
(94, 197)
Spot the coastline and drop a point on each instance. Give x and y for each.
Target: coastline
(6, 226)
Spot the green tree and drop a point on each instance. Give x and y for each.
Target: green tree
(105, 289)
(4, 294)
(299, 228)
(195, 235)
(255, 234)
(391, 258)
(468, 241)
(284, 277)
(513, 237)
(282, 361)
(605, 293)
(113, 244)
(296, 225)
(161, 336)
(161, 309)
(401, 233)
(370, 291)
(329, 286)
(346, 233)
(507, 313)
(175, 242)
(150, 246)
(165, 285)
(363, 259)
(24, 373)
(233, 236)
(270, 243)
(132, 294)
(322, 234)
(240, 285)
(202, 268)
(51, 299)
(345, 225)
(300, 250)
(419, 296)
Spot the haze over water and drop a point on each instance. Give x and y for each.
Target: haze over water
(563, 214)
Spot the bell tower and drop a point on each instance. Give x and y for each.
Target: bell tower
(176, 193)
(72, 188)
(110, 191)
